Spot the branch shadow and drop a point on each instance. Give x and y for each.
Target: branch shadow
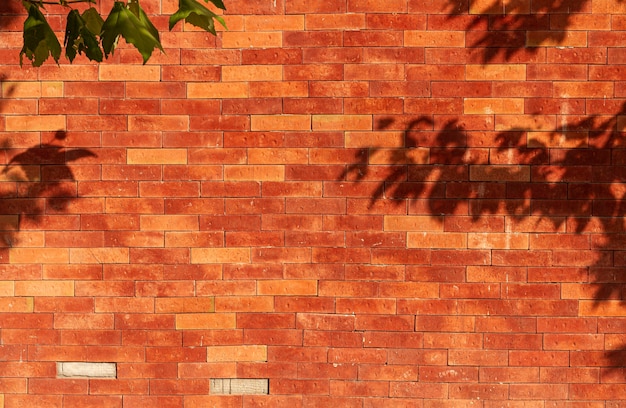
(502, 29)
(567, 181)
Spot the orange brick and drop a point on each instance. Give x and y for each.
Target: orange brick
(237, 353)
(129, 73)
(436, 240)
(158, 123)
(220, 255)
(280, 122)
(287, 287)
(156, 156)
(434, 38)
(412, 223)
(251, 304)
(341, 122)
(489, 106)
(593, 89)
(7, 288)
(608, 7)
(552, 39)
(414, 155)
(282, 89)
(496, 72)
(242, 73)
(254, 173)
(352, 21)
(99, 255)
(24, 304)
(499, 173)
(39, 255)
(44, 288)
(256, 39)
(21, 123)
(606, 308)
(563, 140)
(497, 241)
(203, 321)
(274, 23)
(526, 122)
(277, 156)
(374, 139)
(218, 90)
(503, 7)
(168, 222)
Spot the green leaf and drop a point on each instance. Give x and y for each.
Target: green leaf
(39, 39)
(79, 38)
(196, 14)
(136, 29)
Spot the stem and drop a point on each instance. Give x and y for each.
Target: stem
(66, 3)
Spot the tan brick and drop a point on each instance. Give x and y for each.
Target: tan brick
(280, 122)
(254, 173)
(44, 288)
(99, 255)
(52, 89)
(342, 122)
(23, 123)
(287, 287)
(412, 223)
(242, 73)
(39, 255)
(257, 39)
(237, 353)
(429, 38)
(218, 90)
(220, 255)
(489, 106)
(127, 72)
(156, 156)
(200, 321)
(436, 240)
(496, 72)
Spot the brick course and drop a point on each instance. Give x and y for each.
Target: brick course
(369, 204)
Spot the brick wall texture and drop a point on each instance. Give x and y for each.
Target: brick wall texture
(400, 203)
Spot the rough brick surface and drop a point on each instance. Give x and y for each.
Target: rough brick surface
(335, 203)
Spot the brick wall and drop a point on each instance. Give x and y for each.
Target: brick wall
(350, 203)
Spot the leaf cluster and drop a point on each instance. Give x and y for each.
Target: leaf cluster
(88, 33)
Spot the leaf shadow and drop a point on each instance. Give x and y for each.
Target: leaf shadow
(567, 181)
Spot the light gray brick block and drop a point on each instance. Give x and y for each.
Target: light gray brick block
(86, 370)
(239, 386)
